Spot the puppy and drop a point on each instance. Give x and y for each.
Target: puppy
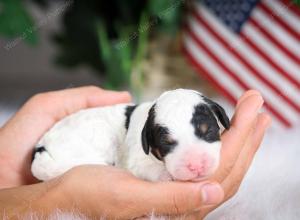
(175, 137)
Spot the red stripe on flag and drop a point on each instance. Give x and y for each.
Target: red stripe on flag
(278, 115)
(229, 73)
(274, 40)
(201, 70)
(216, 59)
(245, 62)
(278, 20)
(265, 56)
(291, 6)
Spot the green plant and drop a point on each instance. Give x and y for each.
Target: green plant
(16, 22)
(297, 2)
(122, 56)
(123, 53)
(121, 29)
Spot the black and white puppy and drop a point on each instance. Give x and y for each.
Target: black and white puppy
(176, 137)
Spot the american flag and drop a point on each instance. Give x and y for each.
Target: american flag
(249, 44)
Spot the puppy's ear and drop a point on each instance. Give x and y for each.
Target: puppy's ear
(145, 143)
(219, 112)
(146, 132)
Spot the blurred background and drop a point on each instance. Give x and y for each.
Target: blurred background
(147, 47)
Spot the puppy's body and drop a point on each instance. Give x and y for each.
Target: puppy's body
(90, 136)
(132, 155)
(175, 137)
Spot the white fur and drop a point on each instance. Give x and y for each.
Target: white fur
(98, 136)
(89, 136)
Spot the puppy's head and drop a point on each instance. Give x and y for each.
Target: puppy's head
(183, 130)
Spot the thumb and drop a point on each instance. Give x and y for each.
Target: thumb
(173, 198)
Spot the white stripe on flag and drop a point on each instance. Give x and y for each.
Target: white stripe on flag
(284, 13)
(277, 55)
(277, 32)
(247, 52)
(239, 69)
(217, 73)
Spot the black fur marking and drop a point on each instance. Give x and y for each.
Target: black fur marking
(37, 150)
(219, 112)
(156, 137)
(128, 112)
(203, 116)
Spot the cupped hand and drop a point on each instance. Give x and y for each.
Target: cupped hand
(102, 190)
(123, 196)
(239, 145)
(19, 135)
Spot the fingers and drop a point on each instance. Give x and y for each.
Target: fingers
(236, 174)
(174, 198)
(234, 179)
(246, 112)
(234, 139)
(245, 95)
(91, 96)
(58, 104)
(44, 109)
(263, 123)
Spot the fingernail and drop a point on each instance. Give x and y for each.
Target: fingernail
(258, 103)
(212, 194)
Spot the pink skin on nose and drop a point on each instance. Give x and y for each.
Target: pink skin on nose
(199, 164)
(193, 164)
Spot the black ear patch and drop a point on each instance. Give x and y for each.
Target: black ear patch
(128, 112)
(146, 132)
(145, 144)
(156, 138)
(219, 112)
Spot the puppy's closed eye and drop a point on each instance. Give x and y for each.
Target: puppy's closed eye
(203, 128)
(167, 140)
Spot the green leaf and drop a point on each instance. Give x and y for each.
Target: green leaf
(297, 2)
(125, 51)
(15, 21)
(168, 13)
(104, 43)
(142, 39)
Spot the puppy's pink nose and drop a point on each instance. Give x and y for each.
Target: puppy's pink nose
(199, 165)
(197, 168)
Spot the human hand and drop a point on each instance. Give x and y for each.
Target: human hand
(123, 196)
(136, 197)
(19, 135)
(111, 187)
(239, 145)
(103, 191)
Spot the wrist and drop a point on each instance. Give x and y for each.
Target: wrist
(39, 199)
(52, 197)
